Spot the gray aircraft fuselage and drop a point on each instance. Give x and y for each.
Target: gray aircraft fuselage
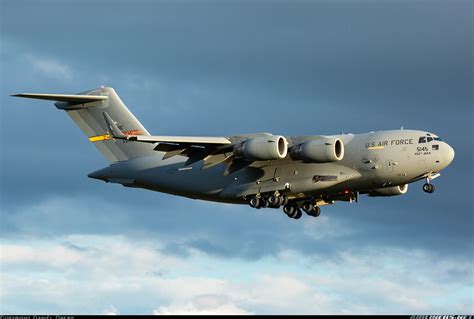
(371, 161)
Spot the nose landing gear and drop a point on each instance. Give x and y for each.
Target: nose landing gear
(428, 188)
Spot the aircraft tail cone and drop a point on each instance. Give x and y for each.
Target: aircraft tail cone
(98, 175)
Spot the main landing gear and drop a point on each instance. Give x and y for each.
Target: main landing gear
(311, 210)
(293, 211)
(290, 208)
(274, 201)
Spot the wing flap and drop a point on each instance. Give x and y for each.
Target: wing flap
(191, 140)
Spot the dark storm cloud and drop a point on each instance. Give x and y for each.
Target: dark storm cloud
(230, 67)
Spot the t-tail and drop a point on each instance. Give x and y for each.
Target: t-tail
(92, 110)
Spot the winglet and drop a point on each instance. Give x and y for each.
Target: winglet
(112, 127)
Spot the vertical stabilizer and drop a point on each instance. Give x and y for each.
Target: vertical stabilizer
(88, 110)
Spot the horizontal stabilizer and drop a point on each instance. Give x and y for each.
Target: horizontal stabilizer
(69, 98)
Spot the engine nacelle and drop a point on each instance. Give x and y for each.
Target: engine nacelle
(319, 151)
(389, 191)
(264, 148)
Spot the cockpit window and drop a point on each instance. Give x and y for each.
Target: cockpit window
(428, 138)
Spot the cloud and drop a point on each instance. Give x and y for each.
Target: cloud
(202, 305)
(139, 276)
(50, 67)
(111, 311)
(14, 253)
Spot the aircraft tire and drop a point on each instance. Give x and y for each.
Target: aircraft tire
(289, 210)
(263, 203)
(298, 214)
(428, 188)
(308, 208)
(316, 211)
(432, 189)
(281, 201)
(274, 201)
(254, 202)
(284, 200)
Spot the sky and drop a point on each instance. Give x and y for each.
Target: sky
(73, 245)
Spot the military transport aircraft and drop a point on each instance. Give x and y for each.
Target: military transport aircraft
(262, 170)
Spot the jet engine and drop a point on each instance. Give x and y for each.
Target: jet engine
(319, 151)
(389, 191)
(264, 148)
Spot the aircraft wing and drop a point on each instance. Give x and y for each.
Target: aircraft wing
(184, 140)
(189, 140)
(196, 148)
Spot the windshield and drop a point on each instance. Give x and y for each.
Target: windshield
(429, 138)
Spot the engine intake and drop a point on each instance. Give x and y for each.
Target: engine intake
(389, 191)
(264, 148)
(319, 151)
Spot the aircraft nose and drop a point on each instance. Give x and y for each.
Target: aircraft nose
(448, 154)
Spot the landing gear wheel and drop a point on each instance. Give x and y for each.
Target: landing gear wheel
(308, 208)
(263, 203)
(429, 188)
(298, 214)
(292, 211)
(289, 210)
(275, 201)
(283, 200)
(254, 202)
(316, 211)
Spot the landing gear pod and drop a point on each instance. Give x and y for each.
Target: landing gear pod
(389, 191)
